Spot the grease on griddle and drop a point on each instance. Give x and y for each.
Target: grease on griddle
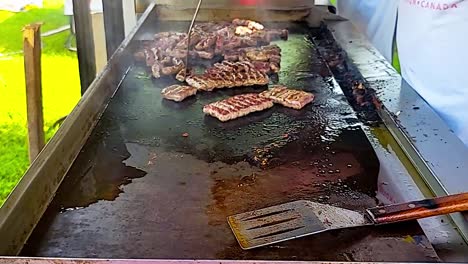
(98, 179)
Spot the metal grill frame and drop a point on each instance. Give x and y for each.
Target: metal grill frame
(25, 206)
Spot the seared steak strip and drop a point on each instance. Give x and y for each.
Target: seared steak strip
(237, 106)
(287, 97)
(228, 74)
(178, 92)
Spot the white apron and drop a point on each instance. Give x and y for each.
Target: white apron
(432, 41)
(376, 18)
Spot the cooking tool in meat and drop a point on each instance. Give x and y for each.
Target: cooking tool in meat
(302, 218)
(189, 33)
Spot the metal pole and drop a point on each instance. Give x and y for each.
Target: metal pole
(84, 43)
(113, 24)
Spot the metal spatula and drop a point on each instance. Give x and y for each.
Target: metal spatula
(302, 218)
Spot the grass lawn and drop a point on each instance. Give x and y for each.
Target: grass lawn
(60, 82)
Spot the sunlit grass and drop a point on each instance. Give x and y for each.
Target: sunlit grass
(4, 15)
(60, 86)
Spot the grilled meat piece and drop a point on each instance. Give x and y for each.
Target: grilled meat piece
(182, 75)
(172, 66)
(248, 23)
(178, 92)
(243, 31)
(201, 82)
(275, 59)
(166, 60)
(156, 70)
(257, 55)
(233, 43)
(267, 59)
(274, 67)
(177, 53)
(219, 44)
(232, 55)
(237, 106)
(277, 34)
(249, 42)
(228, 74)
(267, 36)
(194, 39)
(264, 53)
(206, 43)
(207, 55)
(262, 66)
(170, 70)
(150, 57)
(287, 97)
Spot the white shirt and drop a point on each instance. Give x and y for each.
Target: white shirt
(376, 18)
(432, 40)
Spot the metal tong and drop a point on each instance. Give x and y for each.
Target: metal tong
(189, 33)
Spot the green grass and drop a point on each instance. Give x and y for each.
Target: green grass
(60, 82)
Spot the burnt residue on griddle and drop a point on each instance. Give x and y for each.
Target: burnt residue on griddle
(361, 97)
(322, 175)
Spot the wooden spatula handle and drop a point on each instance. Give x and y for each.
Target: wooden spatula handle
(419, 209)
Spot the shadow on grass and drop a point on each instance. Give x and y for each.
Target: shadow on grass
(52, 18)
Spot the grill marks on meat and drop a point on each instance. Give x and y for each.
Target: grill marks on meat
(242, 105)
(207, 55)
(182, 75)
(227, 75)
(178, 93)
(237, 106)
(206, 43)
(266, 59)
(177, 66)
(288, 97)
(265, 53)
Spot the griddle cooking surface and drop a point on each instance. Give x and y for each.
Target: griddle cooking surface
(139, 189)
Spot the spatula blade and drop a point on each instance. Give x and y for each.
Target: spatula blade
(289, 221)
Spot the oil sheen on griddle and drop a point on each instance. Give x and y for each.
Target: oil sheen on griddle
(157, 179)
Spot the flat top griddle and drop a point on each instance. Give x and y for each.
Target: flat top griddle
(139, 189)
